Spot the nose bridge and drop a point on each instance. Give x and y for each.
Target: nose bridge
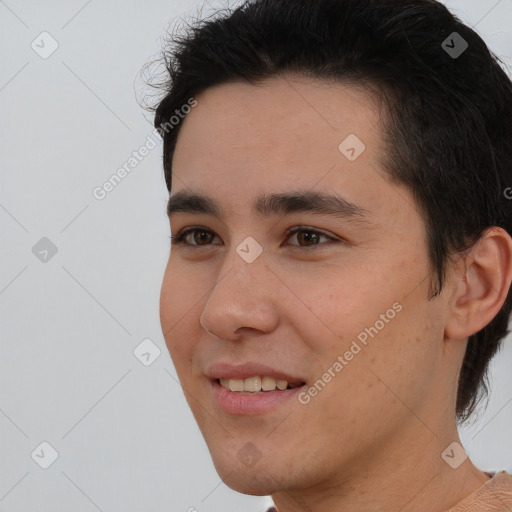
(240, 297)
(245, 264)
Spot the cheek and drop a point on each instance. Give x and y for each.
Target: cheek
(167, 304)
(378, 327)
(343, 306)
(179, 294)
(177, 310)
(376, 384)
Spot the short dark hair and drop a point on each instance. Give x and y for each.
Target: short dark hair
(447, 123)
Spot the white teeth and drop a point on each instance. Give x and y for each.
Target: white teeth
(236, 384)
(281, 384)
(268, 384)
(254, 384)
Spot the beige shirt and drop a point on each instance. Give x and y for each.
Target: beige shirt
(494, 496)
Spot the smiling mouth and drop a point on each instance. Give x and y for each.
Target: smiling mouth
(256, 384)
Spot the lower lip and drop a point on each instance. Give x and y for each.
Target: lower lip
(233, 402)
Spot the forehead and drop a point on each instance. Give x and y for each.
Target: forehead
(244, 141)
(287, 116)
(294, 121)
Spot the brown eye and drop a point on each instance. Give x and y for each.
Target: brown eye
(200, 236)
(307, 237)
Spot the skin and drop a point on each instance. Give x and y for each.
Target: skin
(372, 439)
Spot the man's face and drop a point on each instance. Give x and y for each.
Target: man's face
(307, 301)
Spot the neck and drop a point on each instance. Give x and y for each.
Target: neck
(408, 475)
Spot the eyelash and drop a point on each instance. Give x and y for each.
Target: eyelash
(180, 239)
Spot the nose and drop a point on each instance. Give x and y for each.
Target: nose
(245, 297)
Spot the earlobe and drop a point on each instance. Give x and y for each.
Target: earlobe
(483, 285)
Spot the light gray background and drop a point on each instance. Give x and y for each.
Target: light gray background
(125, 437)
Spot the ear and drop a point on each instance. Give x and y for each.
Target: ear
(483, 282)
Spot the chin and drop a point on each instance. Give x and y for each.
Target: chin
(258, 479)
(251, 482)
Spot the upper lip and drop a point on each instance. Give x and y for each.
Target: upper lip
(249, 369)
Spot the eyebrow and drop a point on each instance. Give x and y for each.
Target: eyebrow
(319, 203)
